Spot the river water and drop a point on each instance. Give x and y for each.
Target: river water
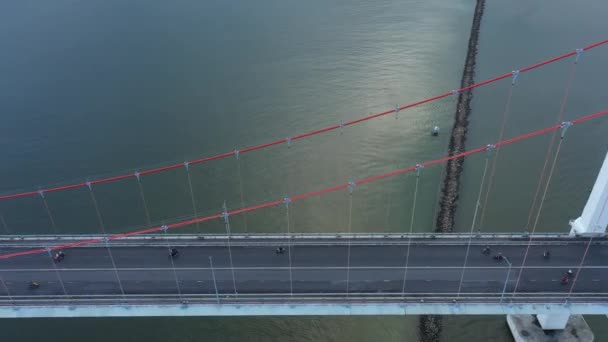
(94, 89)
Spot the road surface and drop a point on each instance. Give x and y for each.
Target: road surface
(328, 267)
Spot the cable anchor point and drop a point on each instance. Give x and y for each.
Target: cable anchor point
(187, 166)
(351, 186)
(341, 126)
(455, 93)
(237, 153)
(286, 201)
(288, 140)
(396, 111)
(41, 193)
(164, 228)
(564, 127)
(224, 215)
(137, 174)
(89, 185)
(514, 75)
(418, 168)
(579, 53)
(490, 148)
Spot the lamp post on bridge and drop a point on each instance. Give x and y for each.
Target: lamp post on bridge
(504, 288)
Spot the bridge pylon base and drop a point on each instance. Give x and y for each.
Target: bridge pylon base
(527, 328)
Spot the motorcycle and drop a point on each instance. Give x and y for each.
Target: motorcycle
(566, 277)
(58, 257)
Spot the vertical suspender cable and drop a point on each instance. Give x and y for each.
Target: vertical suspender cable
(288, 211)
(505, 117)
(217, 294)
(578, 271)
(48, 211)
(143, 198)
(238, 170)
(565, 126)
(560, 118)
(409, 238)
(106, 239)
(8, 292)
(187, 166)
(351, 188)
(477, 204)
(4, 225)
(580, 267)
(287, 201)
(389, 195)
(225, 216)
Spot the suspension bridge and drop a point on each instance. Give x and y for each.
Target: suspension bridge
(345, 273)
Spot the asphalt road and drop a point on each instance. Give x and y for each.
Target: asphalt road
(433, 268)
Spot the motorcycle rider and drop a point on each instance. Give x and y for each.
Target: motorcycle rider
(566, 277)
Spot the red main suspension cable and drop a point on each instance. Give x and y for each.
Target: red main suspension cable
(301, 135)
(308, 194)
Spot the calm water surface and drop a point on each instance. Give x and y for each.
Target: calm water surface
(92, 88)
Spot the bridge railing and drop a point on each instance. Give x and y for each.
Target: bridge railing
(293, 236)
(323, 298)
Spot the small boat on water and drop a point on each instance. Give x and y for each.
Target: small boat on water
(435, 131)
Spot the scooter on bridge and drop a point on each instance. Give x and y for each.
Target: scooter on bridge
(546, 254)
(173, 253)
(34, 285)
(499, 257)
(486, 250)
(59, 256)
(566, 277)
(279, 250)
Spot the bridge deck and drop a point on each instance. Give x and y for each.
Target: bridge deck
(319, 271)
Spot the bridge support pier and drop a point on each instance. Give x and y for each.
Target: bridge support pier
(556, 321)
(557, 327)
(594, 219)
